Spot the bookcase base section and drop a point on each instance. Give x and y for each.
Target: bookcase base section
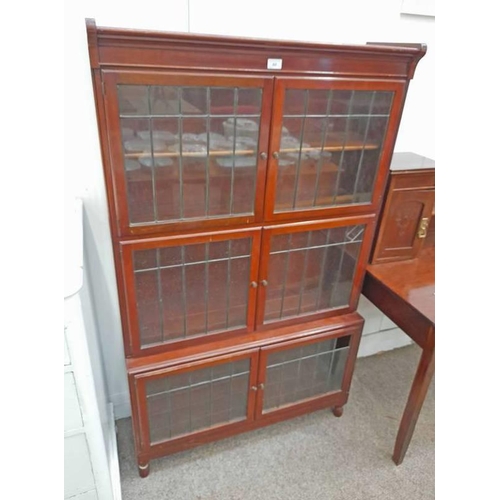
(180, 405)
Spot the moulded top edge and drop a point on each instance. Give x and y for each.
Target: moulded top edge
(415, 50)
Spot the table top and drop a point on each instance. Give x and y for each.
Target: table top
(412, 280)
(410, 161)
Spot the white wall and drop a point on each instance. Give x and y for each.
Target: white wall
(354, 21)
(357, 21)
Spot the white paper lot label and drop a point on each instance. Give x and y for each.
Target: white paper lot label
(274, 63)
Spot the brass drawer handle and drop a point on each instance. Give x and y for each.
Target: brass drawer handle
(422, 228)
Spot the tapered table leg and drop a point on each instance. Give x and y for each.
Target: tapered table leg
(423, 377)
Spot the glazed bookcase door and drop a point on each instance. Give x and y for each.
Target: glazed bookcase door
(201, 400)
(183, 289)
(331, 146)
(299, 372)
(187, 151)
(312, 270)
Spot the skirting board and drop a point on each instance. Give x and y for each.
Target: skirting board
(114, 465)
(385, 340)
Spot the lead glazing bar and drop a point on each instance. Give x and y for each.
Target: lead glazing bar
(235, 108)
(346, 131)
(207, 159)
(230, 390)
(330, 368)
(181, 181)
(198, 384)
(323, 139)
(322, 273)
(342, 243)
(285, 277)
(336, 116)
(210, 397)
(296, 387)
(358, 229)
(257, 149)
(283, 363)
(184, 289)
(160, 293)
(228, 283)
(207, 285)
(303, 277)
(360, 162)
(189, 405)
(178, 115)
(153, 166)
(280, 385)
(173, 266)
(299, 159)
(339, 272)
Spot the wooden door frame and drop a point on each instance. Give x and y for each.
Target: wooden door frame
(131, 326)
(294, 227)
(137, 383)
(116, 171)
(337, 398)
(399, 87)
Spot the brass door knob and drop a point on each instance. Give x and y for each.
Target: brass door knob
(253, 284)
(264, 283)
(276, 155)
(263, 155)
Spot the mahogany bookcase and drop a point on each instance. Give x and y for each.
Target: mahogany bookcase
(244, 180)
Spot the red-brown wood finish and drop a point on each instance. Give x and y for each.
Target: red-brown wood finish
(416, 398)
(409, 203)
(284, 83)
(339, 397)
(111, 79)
(153, 49)
(147, 58)
(404, 291)
(281, 229)
(190, 441)
(216, 347)
(256, 387)
(259, 268)
(413, 281)
(131, 329)
(139, 381)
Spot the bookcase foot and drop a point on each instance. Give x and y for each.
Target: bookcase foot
(144, 469)
(338, 410)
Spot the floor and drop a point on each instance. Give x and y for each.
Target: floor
(315, 457)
